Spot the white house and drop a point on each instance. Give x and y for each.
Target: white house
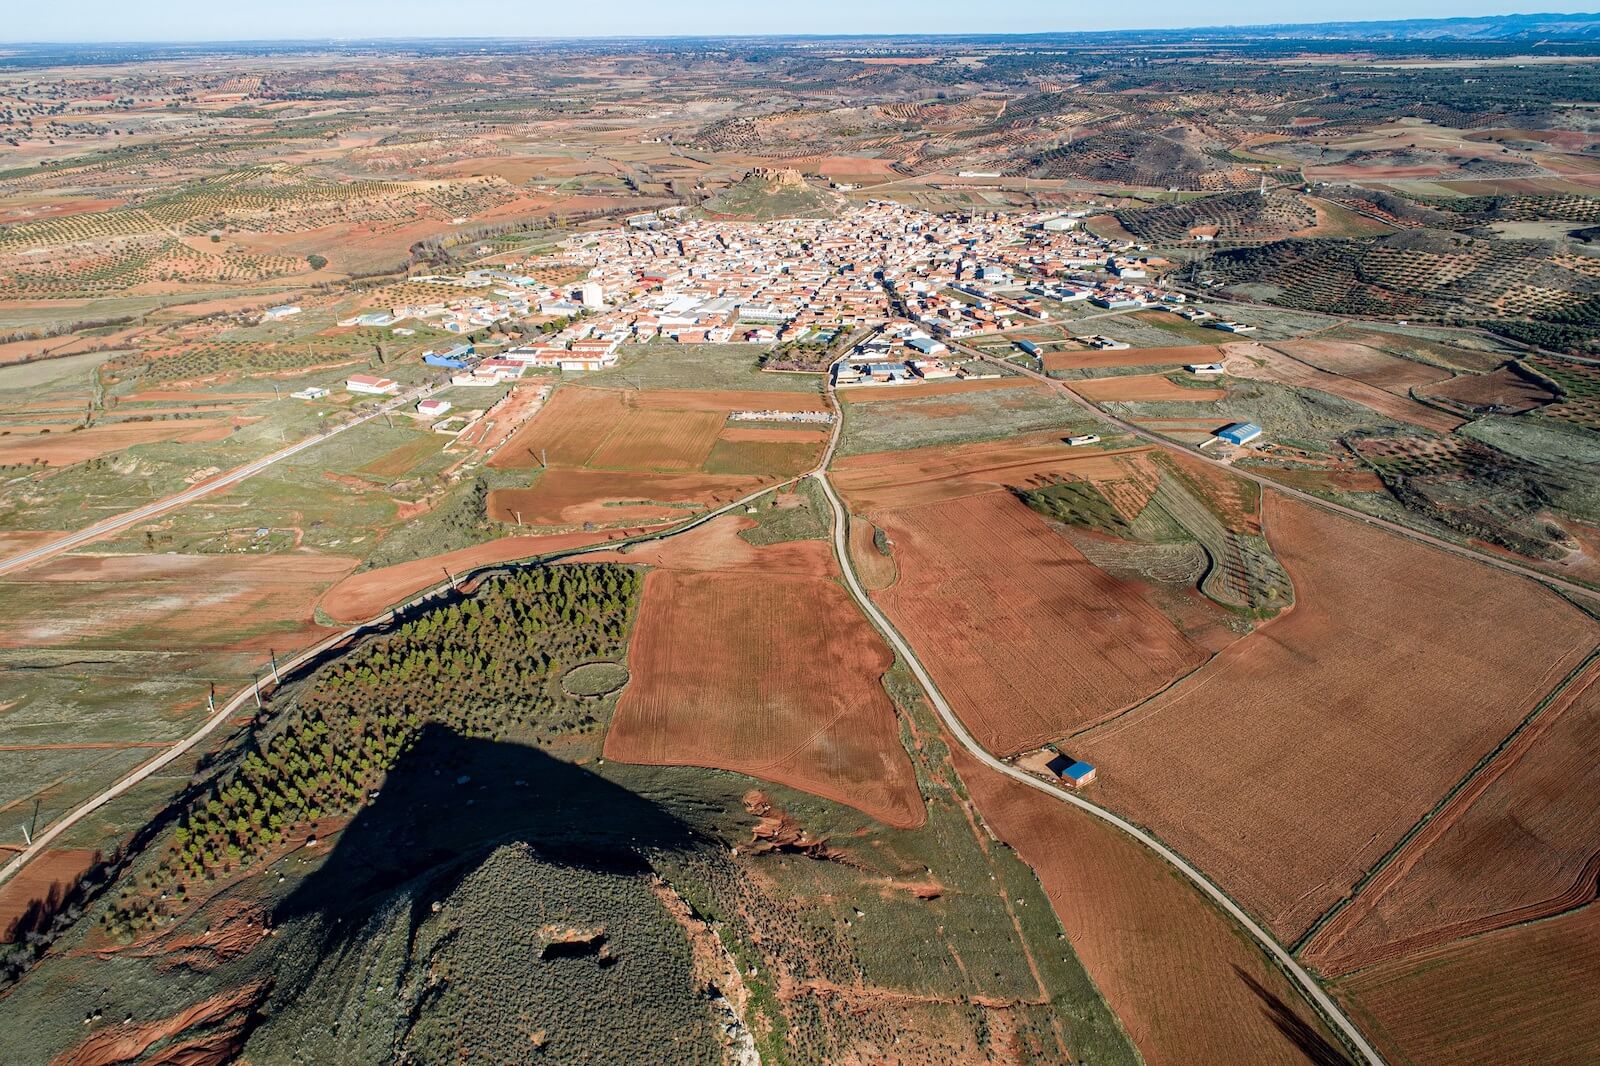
(368, 385)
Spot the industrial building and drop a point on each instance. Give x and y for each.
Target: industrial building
(1239, 433)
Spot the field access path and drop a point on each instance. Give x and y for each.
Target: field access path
(841, 548)
(118, 523)
(1396, 528)
(840, 533)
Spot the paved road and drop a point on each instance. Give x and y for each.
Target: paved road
(1308, 985)
(1305, 497)
(841, 548)
(117, 523)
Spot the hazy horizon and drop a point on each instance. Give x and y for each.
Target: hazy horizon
(190, 21)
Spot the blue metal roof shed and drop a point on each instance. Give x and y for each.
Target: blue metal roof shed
(1240, 433)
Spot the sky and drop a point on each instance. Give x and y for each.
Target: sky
(211, 20)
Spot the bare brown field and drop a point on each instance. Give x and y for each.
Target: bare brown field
(878, 394)
(53, 871)
(876, 570)
(563, 497)
(748, 701)
(924, 475)
(164, 601)
(725, 400)
(566, 432)
(1524, 994)
(1025, 636)
(1251, 360)
(1262, 766)
(1518, 844)
(1136, 387)
(1503, 390)
(1391, 373)
(754, 434)
(1101, 360)
(64, 449)
(359, 597)
(1183, 981)
(659, 440)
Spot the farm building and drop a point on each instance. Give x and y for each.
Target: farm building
(310, 392)
(1239, 433)
(1029, 347)
(1080, 439)
(1204, 368)
(1074, 772)
(1231, 327)
(925, 345)
(369, 385)
(432, 408)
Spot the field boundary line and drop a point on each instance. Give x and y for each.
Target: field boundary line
(1481, 767)
(1315, 994)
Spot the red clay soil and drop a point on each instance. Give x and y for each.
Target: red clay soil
(54, 871)
(363, 596)
(1260, 362)
(566, 430)
(724, 667)
(754, 434)
(725, 400)
(1502, 389)
(235, 602)
(1391, 373)
(114, 1045)
(1524, 994)
(926, 475)
(1135, 388)
(1027, 638)
(879, 393)
(1521, 842)
(1184, 982)
(1103, 360)
(876, 570)
(564, 497)
(1298, 756)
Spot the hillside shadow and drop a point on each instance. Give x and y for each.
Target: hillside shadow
(452, 798)
(1302, 1034)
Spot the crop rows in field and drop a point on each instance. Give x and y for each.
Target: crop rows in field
(1580, 388)
(1243, 214)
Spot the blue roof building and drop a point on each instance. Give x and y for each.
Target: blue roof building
(1240, 433)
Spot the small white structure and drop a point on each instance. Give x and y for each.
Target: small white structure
(1080, 439)
(369, 385)
(310, 392)
(272, 314)
(433, 408)
(1204, 369)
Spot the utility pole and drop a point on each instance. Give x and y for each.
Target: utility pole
(519, 518)
(449, 578)
(274, 656)
(211, 698)
(255, 680)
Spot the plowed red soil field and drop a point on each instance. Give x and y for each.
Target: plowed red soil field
(1525, 994)
(1522, 841)
(659, 440)
(567, 431)
(1295, 759)
(1391, 373)
(1136, 387)
(724, 666)
(1502, 389)
(925, 475)
(55, 870)
(1027, 639)
(1183, 980)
